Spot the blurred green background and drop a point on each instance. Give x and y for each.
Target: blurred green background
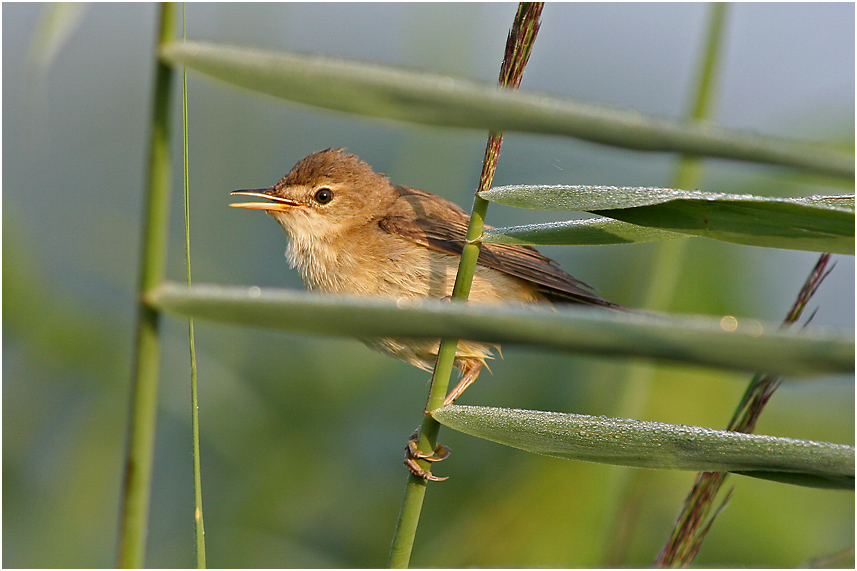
(302, 436)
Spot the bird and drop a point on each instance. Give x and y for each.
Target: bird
(353, 231)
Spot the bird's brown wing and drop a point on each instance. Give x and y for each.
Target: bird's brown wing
(442, 226)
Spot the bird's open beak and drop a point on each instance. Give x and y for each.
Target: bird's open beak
(277, 203)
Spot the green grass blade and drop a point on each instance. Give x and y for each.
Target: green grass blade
(417, 97)
(589, 198)
(729, 343)
(199, 525)
(587, 232)
(815, 223)
(657, 445)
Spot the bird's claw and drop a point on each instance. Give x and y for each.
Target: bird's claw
(413, 453)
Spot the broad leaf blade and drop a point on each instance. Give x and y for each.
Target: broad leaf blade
(751, 346)
(428, 98)
(657, 445)
(588, 232)
(821, 224)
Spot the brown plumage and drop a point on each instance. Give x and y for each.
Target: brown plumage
(352, 231)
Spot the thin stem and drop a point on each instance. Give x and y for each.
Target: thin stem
(693, 521)
(518, 48)
(136, 489)
(197, 477)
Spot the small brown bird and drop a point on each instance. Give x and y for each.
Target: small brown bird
(352, 231)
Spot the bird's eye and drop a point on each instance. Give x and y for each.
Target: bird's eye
(323, 195)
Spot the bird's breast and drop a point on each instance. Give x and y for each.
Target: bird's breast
(382, 264)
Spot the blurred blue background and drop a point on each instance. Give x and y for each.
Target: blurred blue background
(280, 413)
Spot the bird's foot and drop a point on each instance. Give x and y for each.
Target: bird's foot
(413, 453)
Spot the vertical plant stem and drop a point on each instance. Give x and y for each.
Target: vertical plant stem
(134, 512)
(693, 521)
(664, 277)
(518, 48)
(194, 399)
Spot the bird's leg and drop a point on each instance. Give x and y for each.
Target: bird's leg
(413, 453)
(470, 369)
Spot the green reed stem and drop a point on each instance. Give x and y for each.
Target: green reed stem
(134, 512)
(518, 48)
